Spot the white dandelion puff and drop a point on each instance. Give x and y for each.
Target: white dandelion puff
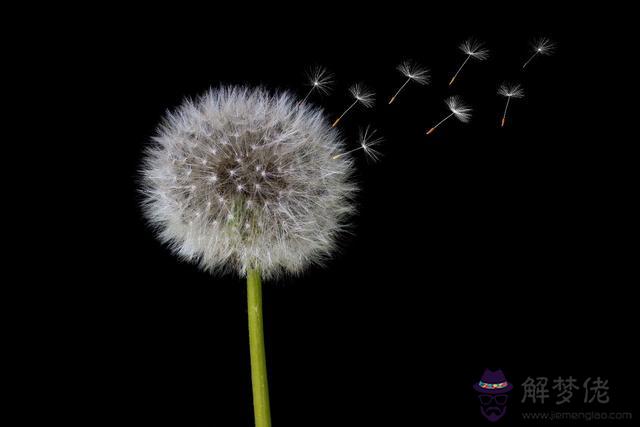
(261, 149)
(368, 139)
(319, 79)
(413, 72)
(362, 95)
(509, 91)
(458, 109)
(473, 49)
(541, 46)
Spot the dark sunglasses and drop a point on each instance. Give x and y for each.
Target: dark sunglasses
(500, 399)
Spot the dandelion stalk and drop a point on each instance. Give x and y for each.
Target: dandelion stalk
(504, 116)
(458, 109)
(361, 95)
(399, 90)
(473, 49)
(439, 123)
(530, 58)
(261, 409)
(459, 69)
(307, 96)
(345, 112)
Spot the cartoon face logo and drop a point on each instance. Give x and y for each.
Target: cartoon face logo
(493, 390)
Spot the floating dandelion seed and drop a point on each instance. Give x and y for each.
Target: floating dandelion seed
(319, 79)
(362, 95)
(458, 109)
(269, 198)
(413, 72)
(368, 140)
(541, 46)
(473, 49)
(509, 91)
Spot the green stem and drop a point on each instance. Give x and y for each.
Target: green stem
(261, 409)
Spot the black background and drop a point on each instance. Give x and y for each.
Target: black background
(473, 247)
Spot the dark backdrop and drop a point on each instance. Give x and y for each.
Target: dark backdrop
(473, 247)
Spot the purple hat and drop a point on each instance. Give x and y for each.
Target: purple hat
(492, 382)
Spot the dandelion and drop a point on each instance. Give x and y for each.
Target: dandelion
(368, 140)
(541, 46)
(412, 72)
(509, 91)
(269, 199)
(458, 109)
(319, 79)
(473, 49)
(360, 94)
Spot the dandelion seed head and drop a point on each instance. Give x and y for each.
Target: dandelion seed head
(458, 108)
(543, 46)
(475, 49)
(280, 209)
(415, 72)
(363, 95)
(511, 90)
(320, 79)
